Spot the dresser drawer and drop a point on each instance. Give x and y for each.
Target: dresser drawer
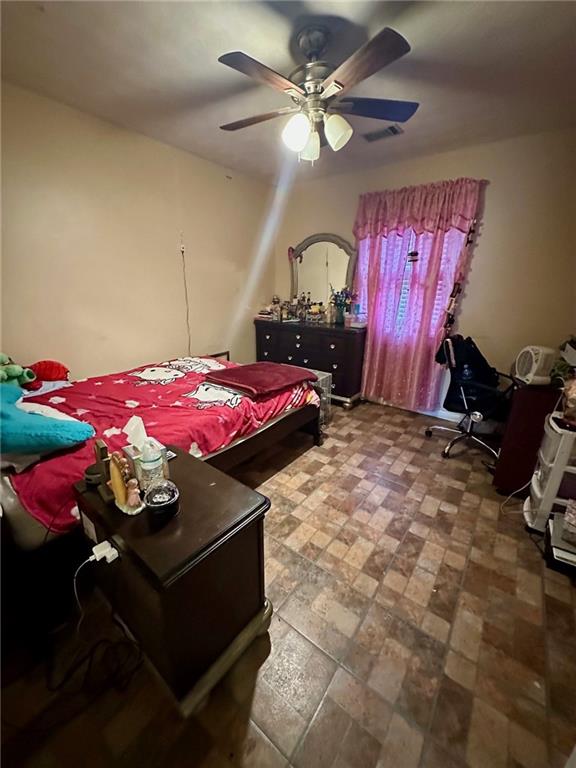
(332, 348)
(301, 359)
(270, 355)
(295, 345)
(340, 385)
(267, 343)
(334, 366)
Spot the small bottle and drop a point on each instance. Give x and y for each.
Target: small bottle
(151, 464)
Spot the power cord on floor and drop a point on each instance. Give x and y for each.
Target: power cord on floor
(507, 499)
(121, 658)
(107, 663)
(536, 539)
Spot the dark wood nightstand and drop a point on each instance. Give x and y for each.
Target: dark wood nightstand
(192, 593)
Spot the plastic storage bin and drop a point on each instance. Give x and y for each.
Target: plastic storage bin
(556, 463)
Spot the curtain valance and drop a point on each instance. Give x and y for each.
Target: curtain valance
(442, 205)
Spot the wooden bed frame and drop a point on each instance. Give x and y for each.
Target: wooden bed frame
(306, 419)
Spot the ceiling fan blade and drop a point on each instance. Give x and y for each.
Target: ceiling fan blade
(383, 133)
(379, 109)
(386, 47)
(258, 119)
(241, 62)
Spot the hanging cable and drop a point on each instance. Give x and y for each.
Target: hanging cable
(507, 499)
(185, 281)
(90, 559)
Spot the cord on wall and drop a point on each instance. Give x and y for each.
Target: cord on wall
(185, 280)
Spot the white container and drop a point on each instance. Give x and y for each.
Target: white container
(556, 459)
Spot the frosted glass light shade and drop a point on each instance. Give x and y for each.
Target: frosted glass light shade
(338, 131)
(311, 151)
(296, 132)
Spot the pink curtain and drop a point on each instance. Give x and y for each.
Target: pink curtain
(405, 298)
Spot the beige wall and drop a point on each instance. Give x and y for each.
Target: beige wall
(522, 285)
(92, 216)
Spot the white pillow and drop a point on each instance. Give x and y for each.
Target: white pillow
(47, 386)
(44, 410)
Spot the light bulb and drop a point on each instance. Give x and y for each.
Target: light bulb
(338, 131)
(311, 151)
(296, 132)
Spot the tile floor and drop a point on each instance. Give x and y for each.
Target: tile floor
(415, 625)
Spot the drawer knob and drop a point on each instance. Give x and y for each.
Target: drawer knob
(265, 354)
(335, 365)
(333, 386)
(305, 359)
(332, 346)
(267, 335)
(297, 335)
(297, 346)
(289, 357)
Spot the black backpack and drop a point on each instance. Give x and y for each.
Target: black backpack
(468, 368)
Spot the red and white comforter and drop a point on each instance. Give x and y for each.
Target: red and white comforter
(178, 407)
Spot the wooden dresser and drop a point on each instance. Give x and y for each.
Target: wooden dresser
(331, 348)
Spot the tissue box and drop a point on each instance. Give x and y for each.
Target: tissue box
(133, 455)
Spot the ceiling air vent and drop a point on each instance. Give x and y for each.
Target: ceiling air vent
(384, 133)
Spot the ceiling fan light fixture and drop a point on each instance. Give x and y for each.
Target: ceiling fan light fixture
(297, 132)
(311, 151)
(338, 131)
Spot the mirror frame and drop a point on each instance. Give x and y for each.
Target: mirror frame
(322, 237)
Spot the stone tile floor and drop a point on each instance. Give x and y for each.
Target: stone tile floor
(415, 625)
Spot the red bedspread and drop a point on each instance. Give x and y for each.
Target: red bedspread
(178, 407)
(261, 379)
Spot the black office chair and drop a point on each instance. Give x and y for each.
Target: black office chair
(473, 390)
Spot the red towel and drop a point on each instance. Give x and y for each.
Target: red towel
(260, 379)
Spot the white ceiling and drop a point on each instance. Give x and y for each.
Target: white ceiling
(480, 70)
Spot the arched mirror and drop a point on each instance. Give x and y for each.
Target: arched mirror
(320, 261)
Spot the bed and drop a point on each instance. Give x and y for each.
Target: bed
(178, 406)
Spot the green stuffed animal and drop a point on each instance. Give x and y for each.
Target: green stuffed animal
(11, 373)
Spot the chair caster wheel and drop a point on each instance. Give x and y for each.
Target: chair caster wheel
(428, 432)
(445, 455)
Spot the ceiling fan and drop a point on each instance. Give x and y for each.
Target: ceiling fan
(317, 90)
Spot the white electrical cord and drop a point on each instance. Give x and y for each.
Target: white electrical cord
(186, 299)
(89, 560)
(521, 511)
(507, 499)
(101, 551)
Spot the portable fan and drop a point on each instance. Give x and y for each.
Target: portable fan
(533, 365)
